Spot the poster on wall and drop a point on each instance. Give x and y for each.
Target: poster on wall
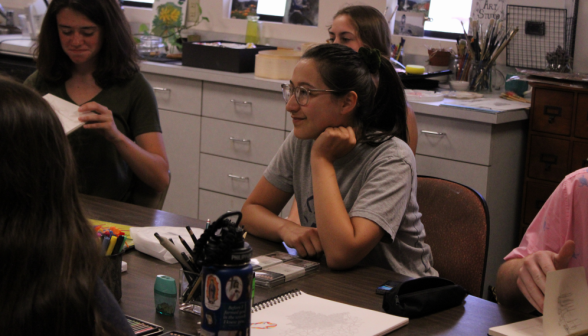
(410, 18)
(485, 10)
(409, 23)
(303, 12)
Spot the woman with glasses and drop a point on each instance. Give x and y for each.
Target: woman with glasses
(365, 26)
(348, 165)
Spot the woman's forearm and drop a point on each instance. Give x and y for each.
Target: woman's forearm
(146, 158)
(335, 229)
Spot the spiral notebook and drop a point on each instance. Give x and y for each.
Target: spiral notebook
(298, 313)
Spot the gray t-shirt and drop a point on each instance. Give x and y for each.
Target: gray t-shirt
(376, 183)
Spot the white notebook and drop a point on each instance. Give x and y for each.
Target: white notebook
(298, 313)
(66, 112)
(565, 309)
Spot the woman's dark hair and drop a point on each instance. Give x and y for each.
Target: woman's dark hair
(49, 255)
(117, 58)
(371, 26)
(380, 113)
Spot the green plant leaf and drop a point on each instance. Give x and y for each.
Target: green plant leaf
(143, 28)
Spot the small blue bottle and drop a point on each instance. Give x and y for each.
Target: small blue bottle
(226, 290)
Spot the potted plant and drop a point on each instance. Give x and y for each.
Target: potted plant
(168, 23)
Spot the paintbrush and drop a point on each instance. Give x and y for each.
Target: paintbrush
(495, 56)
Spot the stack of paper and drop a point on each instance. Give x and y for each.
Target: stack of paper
(270, 259)
(286, 271)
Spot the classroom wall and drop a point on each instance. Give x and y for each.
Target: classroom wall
(217, 11)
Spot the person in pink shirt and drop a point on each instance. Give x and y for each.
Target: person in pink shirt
(556, 239)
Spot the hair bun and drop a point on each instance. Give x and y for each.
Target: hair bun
(371, 57)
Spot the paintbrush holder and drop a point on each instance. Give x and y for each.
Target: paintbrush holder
(481, 77)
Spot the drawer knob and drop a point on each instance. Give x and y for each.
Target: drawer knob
(548, 159)
(433, 133)
(237, 177)
(239, 140)
(244, 102)
(161, 89)
(552, 112)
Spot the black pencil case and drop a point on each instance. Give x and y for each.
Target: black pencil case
(423, 296)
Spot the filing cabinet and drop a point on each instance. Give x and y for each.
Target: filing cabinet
(557, 144)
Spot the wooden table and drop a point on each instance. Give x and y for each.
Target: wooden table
(356, 286)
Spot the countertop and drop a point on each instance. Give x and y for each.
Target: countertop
(19, 45)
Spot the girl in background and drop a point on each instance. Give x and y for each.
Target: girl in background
(348, 165)
(49, 257)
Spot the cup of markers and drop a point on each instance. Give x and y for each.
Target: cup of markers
(112, 243)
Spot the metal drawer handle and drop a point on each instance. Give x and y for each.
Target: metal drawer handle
(433, 133)
(237, 177)
(239, 140)
(161, 89)
(241, 102)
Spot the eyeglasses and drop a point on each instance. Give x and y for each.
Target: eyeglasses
(301, 94)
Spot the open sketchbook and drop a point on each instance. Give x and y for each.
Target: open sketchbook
(565, 309)
(67, 112)
(298, 313)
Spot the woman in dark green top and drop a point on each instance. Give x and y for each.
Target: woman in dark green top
(86, 55)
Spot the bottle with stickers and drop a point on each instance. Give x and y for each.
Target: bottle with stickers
(227, 284)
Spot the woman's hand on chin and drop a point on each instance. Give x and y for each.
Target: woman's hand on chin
(101, 120)
(334, 143)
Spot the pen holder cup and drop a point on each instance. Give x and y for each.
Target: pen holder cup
(111, 274)
(186, 284)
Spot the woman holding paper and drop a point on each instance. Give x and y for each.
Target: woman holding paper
(49, 273)
(86, 55)
(348, 165)
(556, 239)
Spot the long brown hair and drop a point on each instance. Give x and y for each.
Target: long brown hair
(371, 26)
(49, 258)
(117, 58)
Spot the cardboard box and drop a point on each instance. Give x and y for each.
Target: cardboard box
(219, 58)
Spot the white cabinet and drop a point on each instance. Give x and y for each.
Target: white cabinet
(181, 134)
(177, 94)
(483, 156)
(244, 105)
(242, 129)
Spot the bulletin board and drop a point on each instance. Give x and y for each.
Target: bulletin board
(541, 30)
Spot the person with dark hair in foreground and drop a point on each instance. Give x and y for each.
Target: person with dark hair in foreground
(348, 165)
(86, 55)
(50, 260)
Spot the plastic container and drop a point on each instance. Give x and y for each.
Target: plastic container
(252, 31)
(165, 295)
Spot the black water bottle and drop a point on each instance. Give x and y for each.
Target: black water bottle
(227, 283)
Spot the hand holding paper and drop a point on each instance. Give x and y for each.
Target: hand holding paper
(67, 113)
(102, 120)
(532, 275)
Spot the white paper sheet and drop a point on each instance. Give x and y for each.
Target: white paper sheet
(313, 316)
(146, 242)
(66, 112)
(565, 309)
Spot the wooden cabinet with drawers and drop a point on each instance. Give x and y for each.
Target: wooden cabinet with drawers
(557, 144)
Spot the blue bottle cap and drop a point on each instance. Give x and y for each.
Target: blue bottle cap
(165, 284)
